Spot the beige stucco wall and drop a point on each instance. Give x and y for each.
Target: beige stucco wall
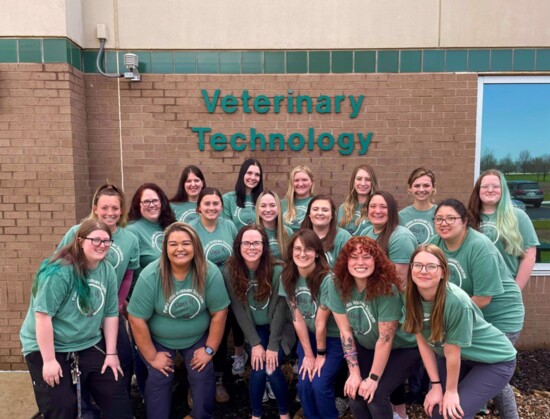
(285, 24)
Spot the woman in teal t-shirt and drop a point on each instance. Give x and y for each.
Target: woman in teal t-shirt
(510, 229)
(184, 202)
(366, 304)
(352, 214)
(305, 284)
(179, 304)
(321, 218)
(252, 279)
(468, 360)
(301, 186)
(73, 318)
(269, 215)
(239, 205)
(419, 217)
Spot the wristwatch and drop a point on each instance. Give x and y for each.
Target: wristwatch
(209, 350)
(373, 377)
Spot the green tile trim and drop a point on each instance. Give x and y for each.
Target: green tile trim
(319, 61)
(63, 50)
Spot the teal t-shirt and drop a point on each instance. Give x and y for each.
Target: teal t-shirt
(419, 223)
(478, 268)
(73, 330)
(465, 326)
(401, 245)
(260, 309)
(364, 316)
(353, 227)
(308, 306)
(150, 236)
(240, 216)
(123, 253)
(301, 211)
(526, 229)
(274, 244)
(181, 320)
(341, 238)
(185, 212)
(218, 245)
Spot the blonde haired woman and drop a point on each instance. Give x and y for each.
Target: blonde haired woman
(299, 193)
(269, 215)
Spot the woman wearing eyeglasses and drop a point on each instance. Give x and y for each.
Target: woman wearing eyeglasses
(252, 280)
(179, 305)
(73, 320)
(305, 284)
(468, 360)
(239, 205)
(418, 217)
(476, 266)
(366, 303)
(108, 205)
(190, 185)
(510, 229)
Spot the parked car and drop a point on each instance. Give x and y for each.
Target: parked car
(526, 191)
(519, 204)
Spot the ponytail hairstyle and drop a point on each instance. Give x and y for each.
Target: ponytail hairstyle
(73, 254)
(414, 314)
(506, 219)
(109, 189)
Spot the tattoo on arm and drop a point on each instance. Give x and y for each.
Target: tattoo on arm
(352, 361)
(293, 307)
(388, 333)
(348, 345)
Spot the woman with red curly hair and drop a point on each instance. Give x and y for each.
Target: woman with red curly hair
(366, 305)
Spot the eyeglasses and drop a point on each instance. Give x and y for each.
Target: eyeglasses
(96, 242)
(431, 268)
(449, 219)
(491, 186)
(254, 245)
(306, 250)
(150, 203)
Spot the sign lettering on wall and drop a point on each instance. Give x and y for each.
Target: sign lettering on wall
(254, 140)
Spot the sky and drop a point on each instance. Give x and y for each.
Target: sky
(516, 117)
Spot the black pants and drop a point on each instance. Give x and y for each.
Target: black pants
(60, 402)
(220, 357)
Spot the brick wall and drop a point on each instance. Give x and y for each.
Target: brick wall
(536, 330)
(42, 146)
(61, 136)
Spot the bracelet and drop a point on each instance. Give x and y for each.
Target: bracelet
(435, 382)
(116, 353)
(350, 354)
(321, 352)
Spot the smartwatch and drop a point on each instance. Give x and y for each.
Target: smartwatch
(374, 377)
(209, 350)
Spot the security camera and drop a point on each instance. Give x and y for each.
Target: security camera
(131, 62)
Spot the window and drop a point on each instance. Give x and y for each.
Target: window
(513, 135)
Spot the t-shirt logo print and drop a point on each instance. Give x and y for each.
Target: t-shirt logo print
(184, 305)
(359, 317)
(97, 294)
(306, 304)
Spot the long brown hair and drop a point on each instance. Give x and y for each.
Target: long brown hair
(290, 273)
(198, 265)
(414, 314)
(379, 283)
(239, 271)
(393, 219)
(351, 200)
(328, 240)
(109, 189)
(166, 217)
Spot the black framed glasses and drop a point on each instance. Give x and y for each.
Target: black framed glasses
(96, 241)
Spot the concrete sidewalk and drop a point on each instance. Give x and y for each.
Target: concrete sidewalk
(16, 395)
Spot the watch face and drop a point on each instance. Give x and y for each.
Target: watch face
(209, 350)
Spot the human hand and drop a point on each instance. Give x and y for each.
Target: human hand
(451, 406)
(112, 361)
(200, 359)
(352, 385)
(258, 357)
(163, 362)
(52, 372)
(367, 388)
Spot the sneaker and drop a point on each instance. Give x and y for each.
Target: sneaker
(398, 416)
(189, 399)
(265, 397)
(221, 393)
(239, 362)
(269, 391)
(342, 405)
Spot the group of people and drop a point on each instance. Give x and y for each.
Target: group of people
(362, 288)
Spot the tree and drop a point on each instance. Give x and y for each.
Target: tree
(523, 161)
(506, 164)
(488, 160)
